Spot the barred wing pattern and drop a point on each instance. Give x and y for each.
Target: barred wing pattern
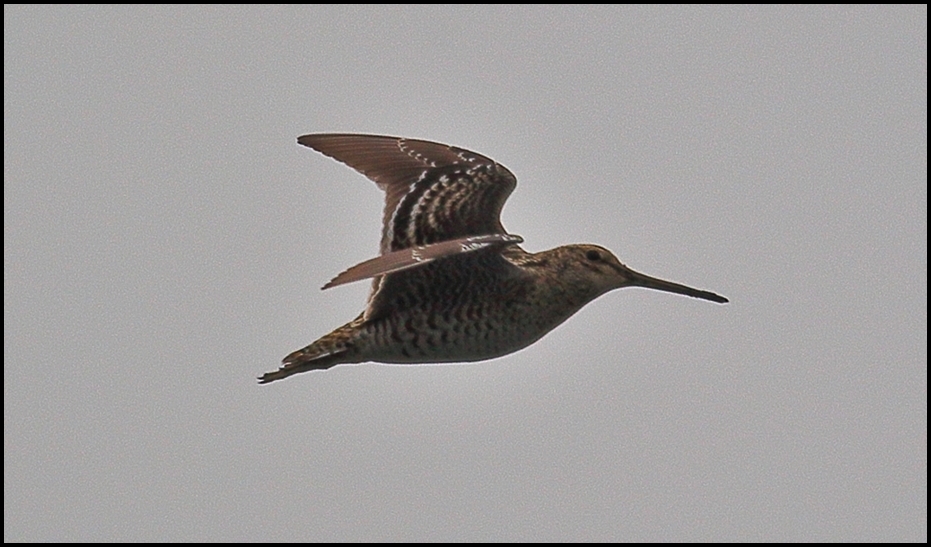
(440, 201)
(433, 192)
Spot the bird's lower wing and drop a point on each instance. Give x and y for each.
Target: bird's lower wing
(414, 257)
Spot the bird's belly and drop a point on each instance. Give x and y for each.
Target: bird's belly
(447, 337)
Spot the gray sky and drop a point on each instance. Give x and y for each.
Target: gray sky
(165, 239)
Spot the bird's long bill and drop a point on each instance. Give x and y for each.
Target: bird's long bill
(638, 279)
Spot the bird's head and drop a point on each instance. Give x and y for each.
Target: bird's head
(595, 270)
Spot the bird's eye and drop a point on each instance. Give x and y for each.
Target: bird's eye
(593, 255)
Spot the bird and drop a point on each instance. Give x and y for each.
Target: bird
(450, 284)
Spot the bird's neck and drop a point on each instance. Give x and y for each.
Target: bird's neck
(556, 288)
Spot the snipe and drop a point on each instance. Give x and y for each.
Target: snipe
(450, 284)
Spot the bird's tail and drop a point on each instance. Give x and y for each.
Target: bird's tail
(330, 350)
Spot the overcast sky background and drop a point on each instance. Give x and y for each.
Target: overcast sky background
(165, 239)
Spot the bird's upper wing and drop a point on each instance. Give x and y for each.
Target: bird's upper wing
(440, 202)
(433, 192)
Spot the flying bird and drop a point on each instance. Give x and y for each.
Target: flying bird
(450, 283)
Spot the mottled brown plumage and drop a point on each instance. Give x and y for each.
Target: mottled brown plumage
(450, 284)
